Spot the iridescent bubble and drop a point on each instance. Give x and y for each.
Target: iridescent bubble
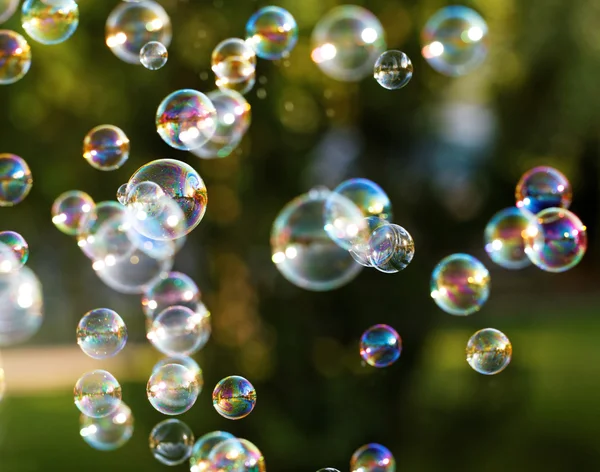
(101, 333)
(372, 458)
(361, 250)
(173, 389)
(174, 288)
(505, 237)
(171, 442)
(561, 242)
(177, 330)
(180, 182)
(130, 26)
(199, 460)
(233, 60)
(70, 209)
(237, 455)
(380, 346)
(109, 432)
(184, 361)
(18, 245)
(97, 394)
(233, 120)
(106, 147)
(454, 40)
(391, 248)
(242, 87)
(460, 284)
(344, 221)
(154, 55)
(489, 351)
(543, 187)
(234, 397)
(272, 32)
(303, 251)
(393, 70)
(50, 21)
(15, 180)
(369, 197)
(346, 43)
(7, 9)
(15, 57)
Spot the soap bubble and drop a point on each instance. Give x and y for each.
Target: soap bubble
(344, 221)
(393, 70)
(22, 306)
(242, 87)
(109, 432)
(16, 57)
(489, 351)
(543, 187)
(101, 333)
(199, 461)
(184, 361)
(122, 194)
(106, 147)
(70, 209)
(177, 330)
(171, 442)
(97, 394)
(380, 346)
(561, 242)
(234, 397)
(361, 250)
(15, 180)
(233, 120)
(7, 9)
(238, 455)
(504, 237)
(303, 251)
(346, 43)
(369, 197)
(174, 288)
(233, 60)
(18, 246)
(272, 32)
(372, 458)
(132, 25)
(460, 284)
(154, 55)
(454, 40)
(180, 182)
(391, 248)
(50, 21)
(173, 389)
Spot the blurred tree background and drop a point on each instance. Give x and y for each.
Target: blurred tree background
(448, 152)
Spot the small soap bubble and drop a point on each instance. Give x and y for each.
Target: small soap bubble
(372, 458)
(154, 55)
(489, 351)
(7, 9)
(110, 432)
(186, 119)
(543, 187)
(272, 32)
(391, 248)
(101, 333)
(50, 22)
(180, 182)
(233, 60)
(393, 70)
(122, 194)
(173, 389)
(380, 346)
(106, 147)
(561, 243)
(346, 43)
(70, 209)
(15, 180)
(131, 25)
(177, 330)
(460, 284)
(16, 57)
(97, 394)
(171, 442)
(199, 460)
(18, 245)
(369, 197)
(174, 288)
(237, 454)
(505, 237)
(234, 397)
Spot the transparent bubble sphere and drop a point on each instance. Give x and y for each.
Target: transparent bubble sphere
(101, 333)
(50, 21)
(70, 209)
(154, 55)
(15, 180)
(109, 432)
(234, 397)
(380, 346)
(489, 351)
(393, 70)
(171, 442)
(373, 458)
(106, 147)
(97, 394)
(173, 389)
(16, 57)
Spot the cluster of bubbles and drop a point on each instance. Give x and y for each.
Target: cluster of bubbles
(220, 451)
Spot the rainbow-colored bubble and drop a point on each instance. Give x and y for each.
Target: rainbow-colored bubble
(15, 57)
(101, 333)
(380, 346)
(15, 180)
(234, 397)
(173, 389)
(543, 187)
(272, 32)
(372, 458)
(70, 209)
(97, 394)
(17, 245)
(489, 351)
(50, 22)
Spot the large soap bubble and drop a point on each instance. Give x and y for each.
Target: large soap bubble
(15, 178)
(16, 57)
(50, 21)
